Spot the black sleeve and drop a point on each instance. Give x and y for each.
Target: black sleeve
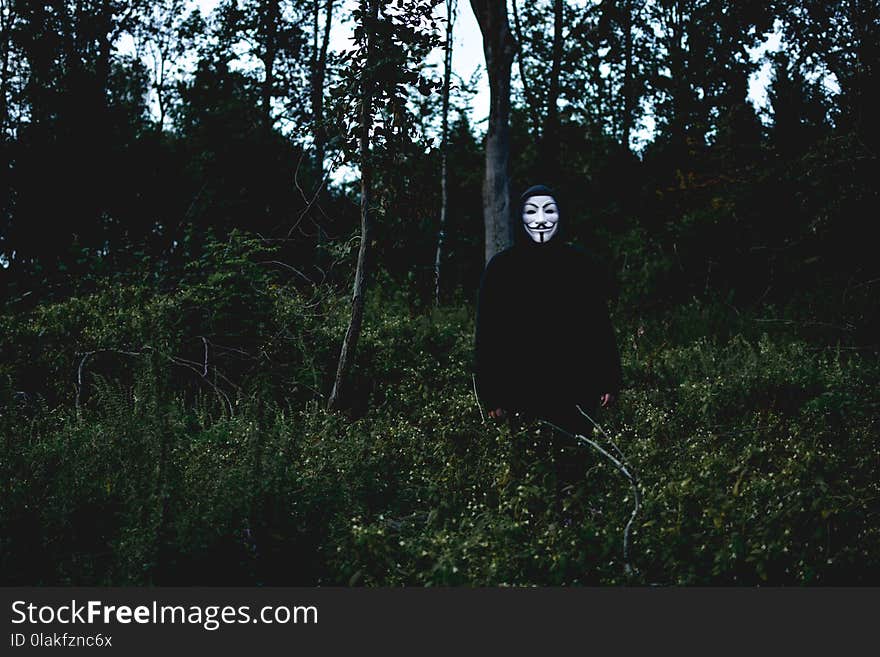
(487, 343)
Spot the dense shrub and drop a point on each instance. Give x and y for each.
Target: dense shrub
(754, 442)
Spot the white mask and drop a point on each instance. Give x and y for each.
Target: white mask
(540, 218)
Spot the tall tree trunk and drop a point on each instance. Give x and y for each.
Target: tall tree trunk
(319, 71)
(549, 147)
(105, 52)
(349, 343)
(628, 90)
(679, 82)
(319, 127)
(531, 102)
(7, 19)
(160, 91)
(270, 50)
(451, 7)
(499, 48)
(673, 27)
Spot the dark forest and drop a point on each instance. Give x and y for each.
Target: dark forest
(240, 257)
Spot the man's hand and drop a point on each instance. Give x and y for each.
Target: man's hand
(607, 399)
(498, 414)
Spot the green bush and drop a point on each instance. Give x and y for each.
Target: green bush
(754, 443)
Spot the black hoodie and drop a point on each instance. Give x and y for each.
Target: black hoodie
(544, 341)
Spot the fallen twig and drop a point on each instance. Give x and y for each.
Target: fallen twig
(199, 368)
(624, 468)
(477, 399)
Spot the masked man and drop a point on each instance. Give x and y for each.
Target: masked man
(544, 342)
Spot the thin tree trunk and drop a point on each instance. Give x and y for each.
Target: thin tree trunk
(39, 78)
(628, 91)
(319, 128)
(680, 105)
(8, 18)
(499, 48)
(319, 68)
(531, 102)
(349, 342)
(316, 19)
(105, 52)
(451, 7)
(550, 136)
(270, 51)
(160, 90)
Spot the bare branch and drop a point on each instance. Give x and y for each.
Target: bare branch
(205, 370)
(623, 467)
(199, 368)
(82, 363)
(477, 399)
(286, 266)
